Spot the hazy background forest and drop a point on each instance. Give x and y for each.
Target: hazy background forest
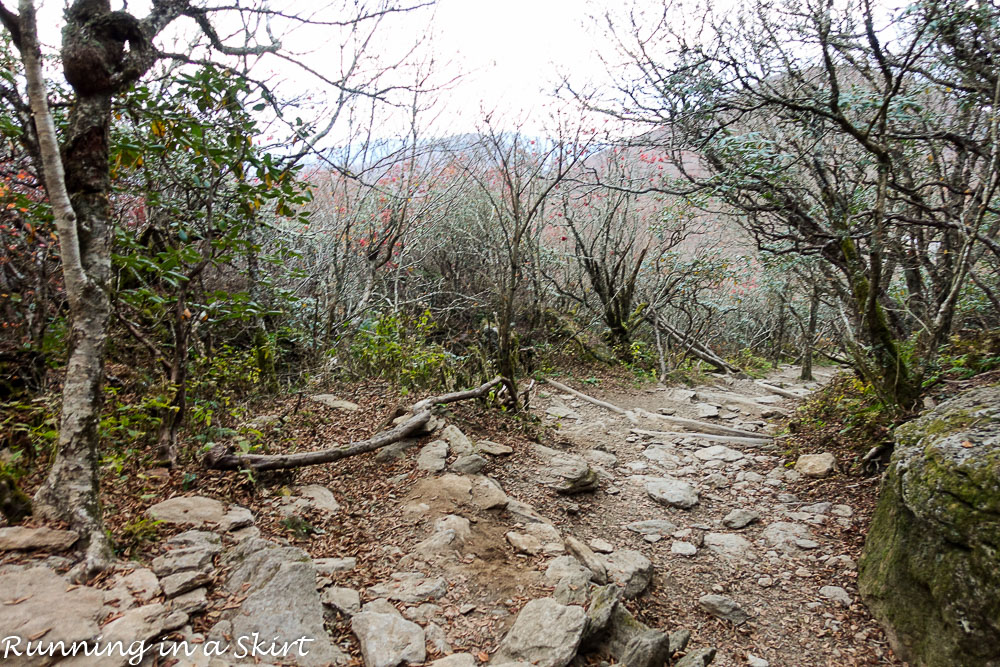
(261, 200)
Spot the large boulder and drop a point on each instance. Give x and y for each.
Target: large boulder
(930, 571)
(545, 633)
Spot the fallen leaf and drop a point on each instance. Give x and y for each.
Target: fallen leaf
(967, 444)
(38, 635)
(18, 601)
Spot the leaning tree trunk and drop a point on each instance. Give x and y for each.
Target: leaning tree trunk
(810, 338)
(82, 212)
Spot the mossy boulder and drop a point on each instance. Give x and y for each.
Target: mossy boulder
(930, 571)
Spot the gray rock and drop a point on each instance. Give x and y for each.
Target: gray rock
(590, 560)
(493, 449)
(487, 493)
(564, 472)
(48, 607)
(723, 607)
(193, 510)
(816, 465)
(435, 635)
(345, 600)
(190, 603)
(729, 545)
(281, 598)
(524, 513)
(704, 410)
(180, 560)
(718, 453)
(459, 444)
(318, 497)
(139, 583)
(331, 401)
(388, 640)
(432, 456)
(182, 582)
(786, 535)
(659, 527)
(456, 660)
(700, 658)
(570, 579)
(603, 602)
(682, 548)
(328, 566)
(20, 538)
(545, 634)
(601, 546)
(396, 450)
(740, 518)
(672, 492)
(754, 661)
(679, 640)
(837, 594)
(562, 412)
(630, 570)
(525, 544)
(410, 587)
(469, 464)
(237, 517)
(140, 624)
(647, 649)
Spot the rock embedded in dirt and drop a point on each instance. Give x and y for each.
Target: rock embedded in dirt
(522, 512)
(388, 639)
(545, 633)
(317, 497)
(590, 560)
(706, 410)
(487, 493)
(570, 579)
(525, 544)
(458, 442)
(455, 660)
(682, 548)
(837, 594)
(718, 453)
(629, 569)
(331, 401)
(411, 587)
(740, 518)
(140, 624)
(49, 606)
(345, 600)
(396, 450)
(699, 658)
(566, 473)
(562, 412)
(179, 560)
(788, 536)
(601, 546)
(469, 464)
(672, 492)
(432, 456)
(647, 649)
(723, 607)
(729, 545)
(188, 510)
(20, 538)
(328, 566)
(658, 527)
(493, 449)
(754, 661)
(816, 465)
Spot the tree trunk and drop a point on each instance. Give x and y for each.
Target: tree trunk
(807, 348)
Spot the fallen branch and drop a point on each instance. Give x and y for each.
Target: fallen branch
(779, 391)
(762, 440)
(224, 459)
(590, 399)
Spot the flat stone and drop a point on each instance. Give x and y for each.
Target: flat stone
(140, 583)
(456, 660)
(723, 607)
(718, 453)
(545, 633)
(704, 410)
(629, 569)
(435, 635)
(410, 587)
(469, 464)
(345, 600)
(46, 605)
(816, 465)
(237, 517)
(455, 487)
(328, 566)
(179, 560)
(740, 518)
(182, 582)
(331, 401)
(837, 594)
(524, 513)
(659, 527)
(729, 545)
(19, 538)
(601, 546)
(193, 602)
(786, 535)
(562, 412)
(590, 560)
(672, 492)
(525, 544)
(682, 548)
(493, 449)
(755, 661)
(184, 510)
(140, 624)
(432, 456)
(388, 640)
(702, 657)
(318, 497)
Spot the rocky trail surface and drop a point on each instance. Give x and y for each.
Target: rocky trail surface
(623, 539)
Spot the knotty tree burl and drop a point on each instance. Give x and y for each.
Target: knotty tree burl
(103, 53)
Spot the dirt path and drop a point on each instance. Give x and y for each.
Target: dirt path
(792, 568)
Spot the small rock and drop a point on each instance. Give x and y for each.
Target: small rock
(765, 582)
(718, 453)
(601, 546)
(318, 497)
(725, 608)
(729, 545)
(629, 569)
(388, 640)
(590, 560)
(179, 560)
(331, 401)
(487, 493)
(647, 649)
(785, 535)
(435, 635)
(493, 449)
(740, 518)
(328, 566)
(700, 658)
(545, 633)
(837, 594)
(562, 412)
(410, 587)
(683, 548)
(672, 492)
(182, 582)
(237, 517)
(432, 456)
(345, 600)
(19, 538)
(469, 464)
(456, 660)
(458, 442)
(754, 661)
(603, 602)
(196, 510)
(704, 410)
(658, 527)
(525, 544)
(816, 465)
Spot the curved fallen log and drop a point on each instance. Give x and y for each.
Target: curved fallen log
(223, 458)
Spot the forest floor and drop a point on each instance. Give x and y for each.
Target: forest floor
(806, 535)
